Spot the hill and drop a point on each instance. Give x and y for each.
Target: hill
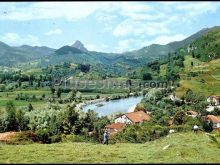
(176, 148)
(201, 72)
(156, 51)
(11, 56)
(78, 53)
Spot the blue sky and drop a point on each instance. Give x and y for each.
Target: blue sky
(104, 26)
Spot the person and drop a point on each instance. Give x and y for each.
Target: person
(195, 128)
(106, 135)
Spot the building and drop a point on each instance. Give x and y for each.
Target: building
(133, 118)
(115, 127)
(192, 113)
(215, 120)
(214, 100)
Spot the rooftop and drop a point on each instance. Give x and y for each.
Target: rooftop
(213, 118)
(138, 116)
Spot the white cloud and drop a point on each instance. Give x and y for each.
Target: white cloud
(137, 28)
(128, 45)
(165, 39)
(15, 39)
(54, 32)
(198, 8)
(47, 10)
(96, 47)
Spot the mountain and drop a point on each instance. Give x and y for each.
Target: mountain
(79, 46)
(12, 55)
(36, 51)
(156, 51)
(77, 53)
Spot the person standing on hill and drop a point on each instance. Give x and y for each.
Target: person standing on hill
(195, 129)
(106, 136)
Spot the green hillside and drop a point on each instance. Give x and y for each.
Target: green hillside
(176, 148)
(202, 78)
(201, 72)
(207, 47)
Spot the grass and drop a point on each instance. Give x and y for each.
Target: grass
(4, 98)
(163, 70)
(209, 72)
(183, 148)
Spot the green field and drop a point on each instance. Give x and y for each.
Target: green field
(7, 96)
(183, 148)
(206, 83)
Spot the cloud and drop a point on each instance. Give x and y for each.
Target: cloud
(128, 45)
(196, 8)
(15, 39)
(137, 28)
(54, 32)
(70, 11)
(165, 39)
(96, 47)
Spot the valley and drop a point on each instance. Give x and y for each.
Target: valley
(42, 90)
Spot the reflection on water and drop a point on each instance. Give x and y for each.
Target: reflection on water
(113, 106)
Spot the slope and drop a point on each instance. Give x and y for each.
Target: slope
(176, 148)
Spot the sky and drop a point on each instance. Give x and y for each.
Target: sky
(104, 26)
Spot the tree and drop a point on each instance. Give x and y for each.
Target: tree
(70, 120)
(30, 107)
(90, 119)
(22, 121)
(59, 92)
(147, 76)
(52, 90)
(10, 121)
(179, 117)
(193, 54)
(207, 126)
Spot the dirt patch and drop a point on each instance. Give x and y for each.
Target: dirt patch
(7, 136)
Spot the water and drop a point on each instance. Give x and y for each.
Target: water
(114, 106)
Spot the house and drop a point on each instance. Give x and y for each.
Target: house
(133, 118)
(215, 120)
(115, 127)
(214, 100)
(192, 113)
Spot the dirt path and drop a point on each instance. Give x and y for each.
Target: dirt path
(6, 136)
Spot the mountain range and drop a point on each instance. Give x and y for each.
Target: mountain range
(77, 53)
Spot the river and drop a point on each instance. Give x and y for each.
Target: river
(114, 106)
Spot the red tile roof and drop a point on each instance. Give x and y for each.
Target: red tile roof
(213, 118)
(118, 126)
(138, 116)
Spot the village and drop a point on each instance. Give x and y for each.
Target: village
(139, 117)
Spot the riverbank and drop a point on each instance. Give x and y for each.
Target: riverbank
(81, 105)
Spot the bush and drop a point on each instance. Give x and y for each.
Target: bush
(43, 135)
(55, 138)
(67, 138)
(148, 131)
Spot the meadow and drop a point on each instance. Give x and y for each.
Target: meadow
(175, 148)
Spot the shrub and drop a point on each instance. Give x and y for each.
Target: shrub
(43, 135)
(55, 138)
(67, 138)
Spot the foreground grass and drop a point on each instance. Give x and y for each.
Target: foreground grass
(183, 148)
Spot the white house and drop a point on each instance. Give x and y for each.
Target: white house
(215, 120)
(133, 118)
(214, 100)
